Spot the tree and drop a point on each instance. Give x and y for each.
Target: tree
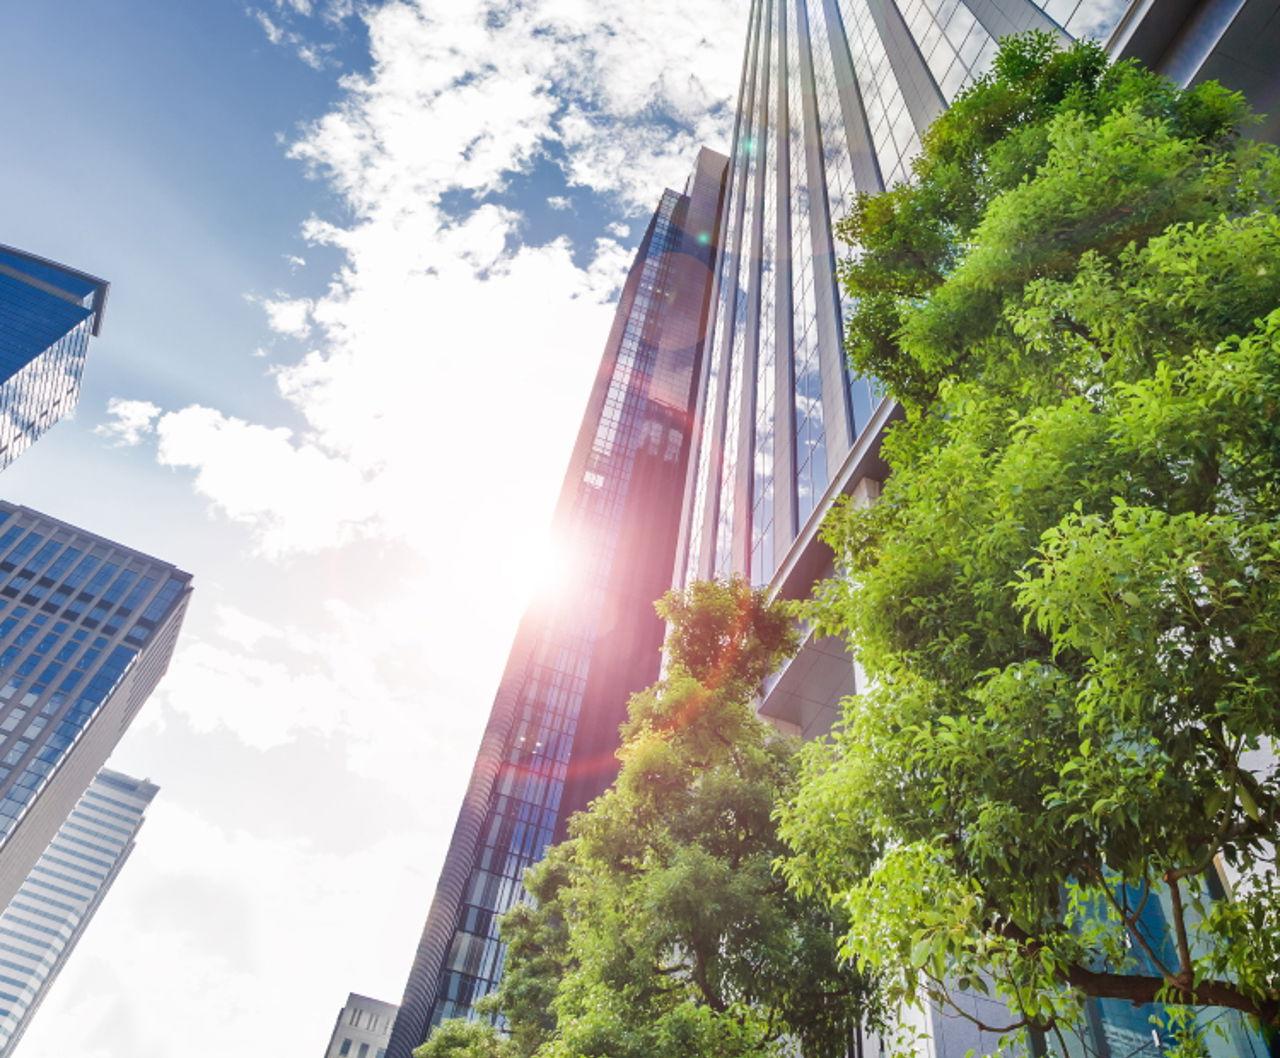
(1066, 598)
(455, 1038)
(661, 929)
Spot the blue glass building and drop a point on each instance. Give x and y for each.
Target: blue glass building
(549, 745)
(87, 628)
(48, 313)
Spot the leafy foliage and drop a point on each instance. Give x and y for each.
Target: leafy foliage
(461, 1039)
(660, 929)
(1066, 597)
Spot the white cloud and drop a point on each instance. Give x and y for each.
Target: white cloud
(296, 496)
(313, 53)
(274, 33)
(619, 230)
(130, 422)
(288, 316)
(560, 202)
(295, 262)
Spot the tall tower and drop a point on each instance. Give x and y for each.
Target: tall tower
(578, 655)
(45, 920)
(834, 99)
(48, 312)
(87, 628)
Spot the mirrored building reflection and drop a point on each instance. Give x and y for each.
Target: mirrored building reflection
(48, 313)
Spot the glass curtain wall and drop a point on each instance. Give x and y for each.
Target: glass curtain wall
(525, 806)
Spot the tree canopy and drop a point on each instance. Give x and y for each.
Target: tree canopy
(660, 928)
(1066, 598)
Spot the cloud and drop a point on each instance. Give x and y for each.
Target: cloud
(315, 54)
(618, 230)
(560, 202)
(130, 422)
(296, 496)
(287, 316)
(448, 361)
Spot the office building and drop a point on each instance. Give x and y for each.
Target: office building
(48, 313)
(363, 1029)
(580, 651)
(834, 98)
(44, 921)
(87, 628)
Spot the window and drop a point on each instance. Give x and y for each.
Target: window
(364, 1051)
(345, 1048)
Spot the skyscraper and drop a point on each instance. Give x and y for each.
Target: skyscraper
(48, 312)
(45, 920)
(362, 1030)
(87, 628)
(548, 748)
(834, 99)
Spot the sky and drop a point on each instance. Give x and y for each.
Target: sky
(364, 257)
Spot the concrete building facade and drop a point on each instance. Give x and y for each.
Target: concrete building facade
(363, 1028)
(50, 912)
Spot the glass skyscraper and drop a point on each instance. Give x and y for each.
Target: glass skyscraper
(549, 745)
(87, 628)
(834, 98)
(44, 921)
(48, 312)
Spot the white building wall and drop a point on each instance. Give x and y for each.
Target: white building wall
(43, 922)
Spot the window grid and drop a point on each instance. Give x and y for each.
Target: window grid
(531, 778)
(811, 444)
(707, 445)
(956, 46)
(754, 157)
(892, 130)
(762, 492)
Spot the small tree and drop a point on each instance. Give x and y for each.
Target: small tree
(660, 928)
(1067, 596)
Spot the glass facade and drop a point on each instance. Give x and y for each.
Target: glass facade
(835, 95)
(43, 922)
(47, 315)
(578, 656)
(87, 628)
(525, 806)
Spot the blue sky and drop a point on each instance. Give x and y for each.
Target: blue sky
(363, 259)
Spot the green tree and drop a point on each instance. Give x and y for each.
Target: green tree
(456, 1038)
(661, 929)
(1066, 598)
